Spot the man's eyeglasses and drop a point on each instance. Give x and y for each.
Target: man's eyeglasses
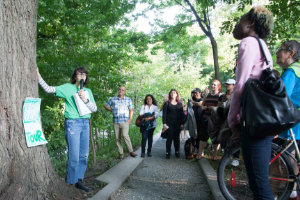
(80, 74)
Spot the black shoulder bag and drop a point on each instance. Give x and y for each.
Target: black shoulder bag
(266, 108)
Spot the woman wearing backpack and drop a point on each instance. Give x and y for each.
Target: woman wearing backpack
(288, 56)
(257, 22)
(150, 106)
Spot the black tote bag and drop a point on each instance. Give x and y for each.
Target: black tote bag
(266, 108)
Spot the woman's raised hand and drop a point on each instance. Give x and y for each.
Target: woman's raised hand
(38, 74)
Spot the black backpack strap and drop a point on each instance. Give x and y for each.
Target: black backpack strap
(261, 47)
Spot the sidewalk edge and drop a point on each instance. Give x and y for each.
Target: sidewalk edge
(113, 185)
(211, 178)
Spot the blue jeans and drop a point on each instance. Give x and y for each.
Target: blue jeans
(257, 154)
(147, 134)
(77, 137)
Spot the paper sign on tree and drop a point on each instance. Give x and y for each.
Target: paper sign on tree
(32, 122)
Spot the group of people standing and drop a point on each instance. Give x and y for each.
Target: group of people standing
(258, 22)
(202, 104)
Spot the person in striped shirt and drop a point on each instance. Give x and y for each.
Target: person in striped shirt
(77, 127)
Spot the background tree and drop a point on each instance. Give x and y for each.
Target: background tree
(194, 12)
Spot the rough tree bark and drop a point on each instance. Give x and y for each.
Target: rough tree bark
(26, 173)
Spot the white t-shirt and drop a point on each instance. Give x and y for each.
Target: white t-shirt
(153, 108)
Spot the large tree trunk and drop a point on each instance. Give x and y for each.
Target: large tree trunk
(26, 173)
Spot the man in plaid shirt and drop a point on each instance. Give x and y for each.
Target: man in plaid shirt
(121, 105)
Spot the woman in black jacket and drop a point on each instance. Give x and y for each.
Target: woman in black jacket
(172, 122)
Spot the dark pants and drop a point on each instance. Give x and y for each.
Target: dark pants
(173, 134)
(198, 122)
(257, 153)
(204, 134)
(147, 134)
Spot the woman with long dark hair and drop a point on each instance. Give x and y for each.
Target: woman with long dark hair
(258, 22)
(150, 106)
(172, 122)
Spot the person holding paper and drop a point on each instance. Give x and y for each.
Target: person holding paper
(121, 105)
(76, 126)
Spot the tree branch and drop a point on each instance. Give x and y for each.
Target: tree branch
(185, 23)
(204, 15)
(207, 16)
(200, 21)
(180, 25)
(297, 3)
(164, 31)
(206, 20)
(182, 6)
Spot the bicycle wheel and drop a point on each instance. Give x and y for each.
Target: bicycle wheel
(281, 173)
(238, 188)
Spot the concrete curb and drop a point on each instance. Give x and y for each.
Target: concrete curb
(118, 174)
(211, 178)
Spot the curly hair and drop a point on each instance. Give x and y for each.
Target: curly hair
(177, 98)
(293, 45)
(153, 99)
(81, 70)
(263, 20)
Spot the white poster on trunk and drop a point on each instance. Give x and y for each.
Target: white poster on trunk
(32, 122)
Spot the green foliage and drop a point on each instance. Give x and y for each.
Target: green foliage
(59, 161)
(53, 128)
(108, 149)
(53, 123)
(193, 12)
(286, 14)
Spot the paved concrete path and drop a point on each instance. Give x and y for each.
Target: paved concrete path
(159, 178)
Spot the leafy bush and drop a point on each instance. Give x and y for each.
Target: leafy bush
(53, 127)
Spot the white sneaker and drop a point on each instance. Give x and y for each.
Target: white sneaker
(235, 162)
